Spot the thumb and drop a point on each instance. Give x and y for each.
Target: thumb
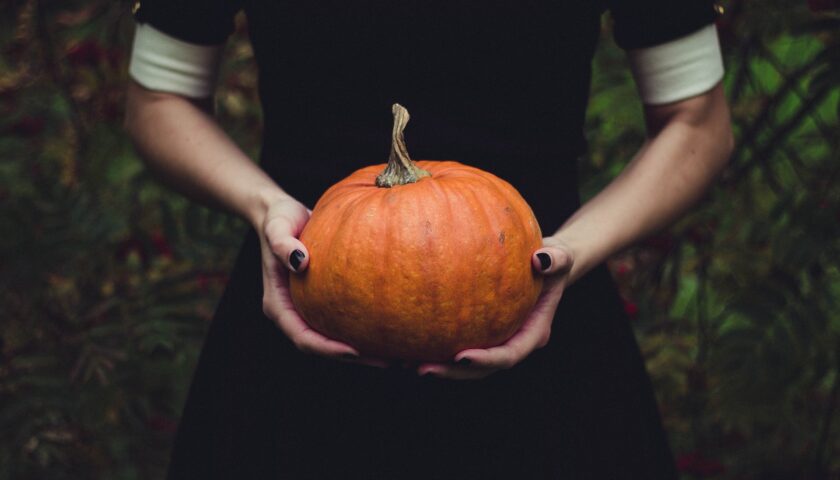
(291, 251)
(550, 260)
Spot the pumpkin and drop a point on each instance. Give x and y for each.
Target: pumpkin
(418, 260)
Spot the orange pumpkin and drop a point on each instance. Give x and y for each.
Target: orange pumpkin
(419, 262)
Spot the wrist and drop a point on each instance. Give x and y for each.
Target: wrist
(585, 254)
(260, 201)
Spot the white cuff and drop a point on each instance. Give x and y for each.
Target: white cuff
(678, 69)
(164, 63)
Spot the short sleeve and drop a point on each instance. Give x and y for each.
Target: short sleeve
(177, 44)
(645, 23)
(200, 22)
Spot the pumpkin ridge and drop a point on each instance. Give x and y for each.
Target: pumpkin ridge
(507, 191)
(349, 185)
(440, 208)
(386, 290)
(503, 274)
(469, 201)
(433, 257)
(501, 277)
(341, 235)
(365, 230)
(529, 232)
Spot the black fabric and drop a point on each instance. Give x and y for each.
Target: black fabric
(581, 408)
(645, 23)
(499, 85)
(490, 87)
(204, 22)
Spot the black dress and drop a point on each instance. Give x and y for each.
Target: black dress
(501, 85)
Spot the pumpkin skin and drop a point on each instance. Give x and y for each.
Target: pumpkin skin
(419, 271)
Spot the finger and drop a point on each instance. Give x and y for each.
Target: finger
(277, 305)
(291, 251)
(310, 341)
(481, 362)
(502, 357)
(318, 344)
(551, 260)
(303, 337)
(535, 333)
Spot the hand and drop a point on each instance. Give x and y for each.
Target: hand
(283, 253)
(555, 260)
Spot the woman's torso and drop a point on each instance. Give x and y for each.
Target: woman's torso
(500, 85)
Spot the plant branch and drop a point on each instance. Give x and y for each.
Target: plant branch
(52, 67)
(780, 134)
(825, 428)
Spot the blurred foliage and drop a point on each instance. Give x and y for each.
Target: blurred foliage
(107, 279)
(736, 306)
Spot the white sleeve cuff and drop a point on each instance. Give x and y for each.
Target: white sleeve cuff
(164, 63)
(678, 69)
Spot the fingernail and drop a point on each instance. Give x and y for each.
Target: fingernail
(295, 258)
(464, 361)
(349, 356)
(545, 260)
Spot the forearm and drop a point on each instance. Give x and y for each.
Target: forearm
(689, 146)
(185, 147)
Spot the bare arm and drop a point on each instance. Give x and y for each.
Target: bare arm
(689, 143)
(184, 146)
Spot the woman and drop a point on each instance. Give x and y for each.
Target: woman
(499, 85)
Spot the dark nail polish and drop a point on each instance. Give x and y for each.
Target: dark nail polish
(545, 260)
(295, 258)
(464, 361)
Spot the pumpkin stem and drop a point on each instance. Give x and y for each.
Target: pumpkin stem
(401, 168)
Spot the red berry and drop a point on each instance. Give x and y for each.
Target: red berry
(28, 126)
(695, 463)
(823, 5)
(161, 244)
(87, 53)
(631, 309)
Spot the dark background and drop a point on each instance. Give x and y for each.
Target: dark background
(107, 280)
